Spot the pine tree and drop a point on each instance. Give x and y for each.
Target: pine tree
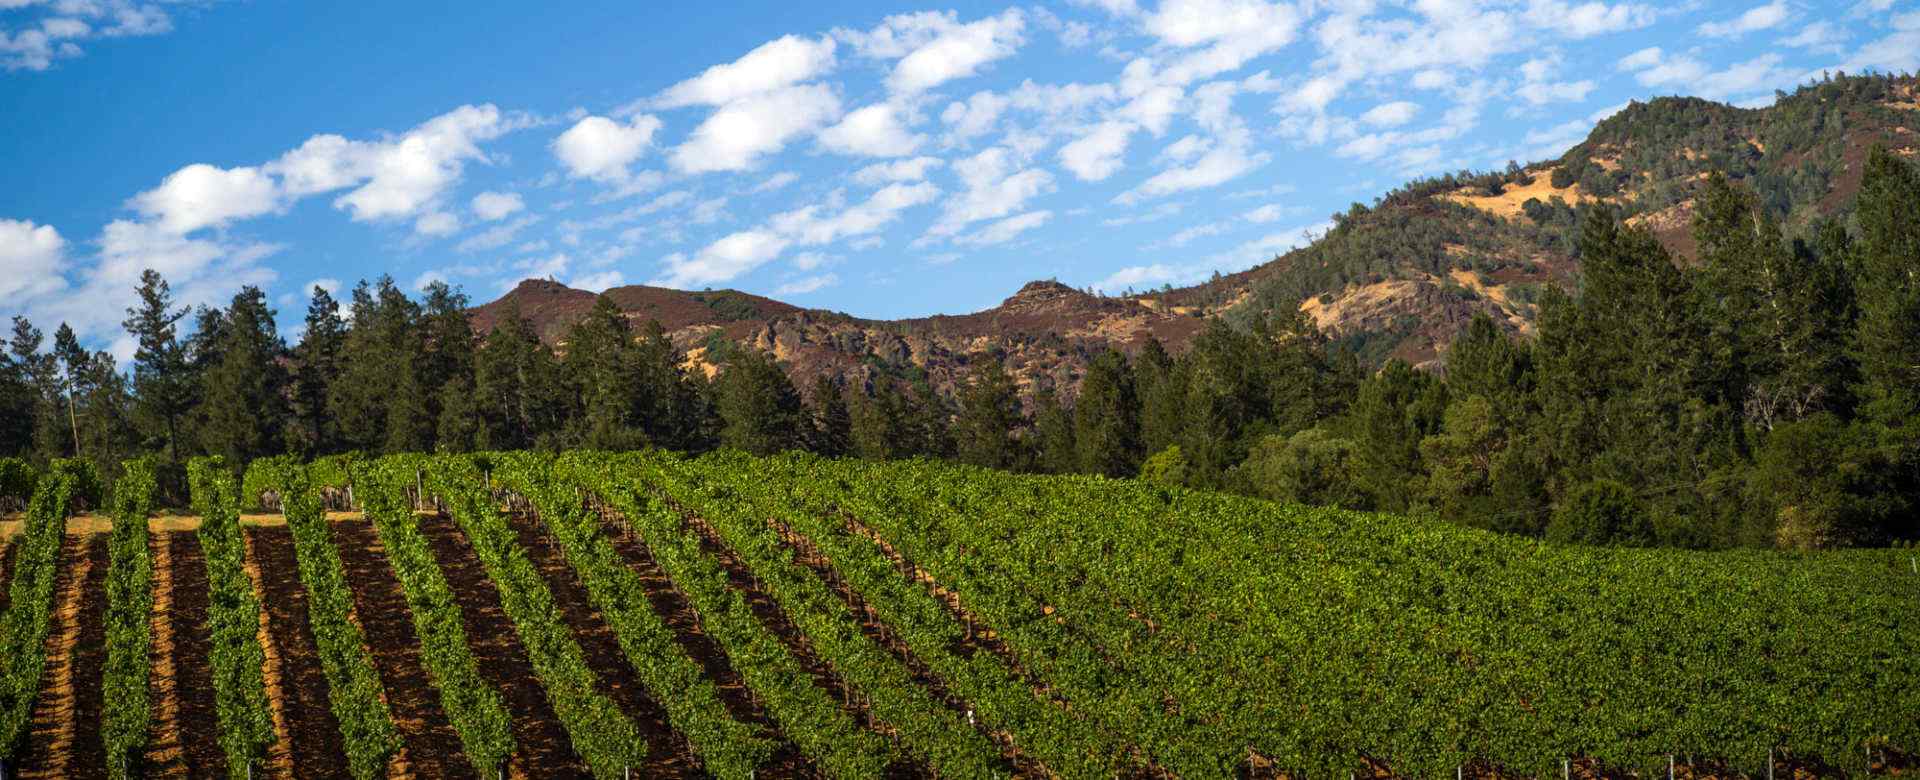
(984, 431)
(518, 392)
(1162, 387)
(316, 363)
(75, 363)
(448, 341)
(1392, 412)
(602, 372)
(1106, 428)
(1483, 361)
(42, 374)
(17, 401)
(244, 415)
(832, 422)
(669, 407)
(162, 382)
(929, 422)
(1887, 275)
(879, 425)
(760, 410)
(1056, 451)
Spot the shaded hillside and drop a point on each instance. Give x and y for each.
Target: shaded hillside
(1045, 333)
(1397, 279)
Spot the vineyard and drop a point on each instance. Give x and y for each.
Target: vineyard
(644, 615)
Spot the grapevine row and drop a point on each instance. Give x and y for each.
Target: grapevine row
(233, 616)
(727, 747)
(127, 712)
(604, 736)
(472, 706)
(937, 734)
(806, 714)
(1066, 743)
(353, 684)
(23, 630)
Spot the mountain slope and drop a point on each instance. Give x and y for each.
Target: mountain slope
(1397, 279)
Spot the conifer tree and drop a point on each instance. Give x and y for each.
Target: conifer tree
(517, 391)
(984, 431)
(603, 375)
(1887, 275)
(1056, 451)
(832, 421)
(879, 426)
(244, 414)
(1392, 412)
(162, 383)
(1106, 428)
(17, 400)
(759, 408)
(75, 363)
(316, 363)
(42, 374)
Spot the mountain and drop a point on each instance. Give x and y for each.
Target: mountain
(1397, 279)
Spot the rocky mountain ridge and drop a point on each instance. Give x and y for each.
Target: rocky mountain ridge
(1393, 280)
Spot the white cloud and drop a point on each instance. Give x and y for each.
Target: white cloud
(1233, 32)
(723, 260)
(58, 36)
(34, 257)
(871, 131)
(709, 211)
(774, 182)
(1271, 212)
(1819, 36)
(808, 284)
(597, 282)
(739, 133)
(497, 236)
(913, 169)
(405, 174)
(1098, 153)
(492, 206)
(1654, 68)
(995, 187)
(436, 224)
(934, 48)
(1586, 20)
(600, 148)
(974, 117)
(1763, 17)
(1896, 52)
(1188, 235)
(1005, 230)
(807, 226)
(1229, 159)
(1239, 258)
(1392, 114)
(808, 261)
(200, 196)
(774, 65)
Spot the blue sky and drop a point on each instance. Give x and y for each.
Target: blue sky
(883, 160)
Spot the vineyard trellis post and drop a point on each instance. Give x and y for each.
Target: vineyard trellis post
(1669, 766)
(1769, 763)
(1566, 769)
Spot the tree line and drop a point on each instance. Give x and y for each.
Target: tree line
(1767, 394)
